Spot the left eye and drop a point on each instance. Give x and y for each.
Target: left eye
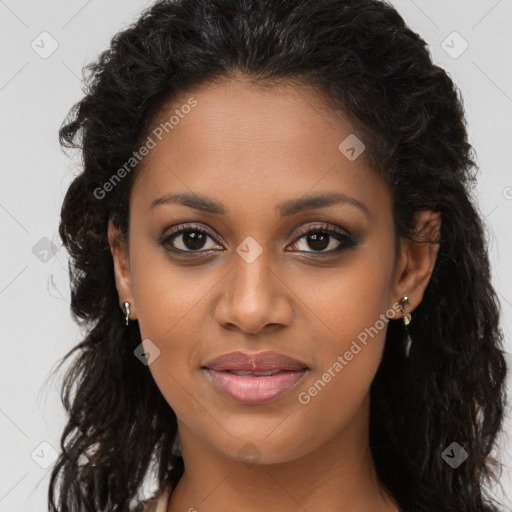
(321, 238)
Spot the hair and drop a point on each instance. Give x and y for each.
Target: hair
(369, 65)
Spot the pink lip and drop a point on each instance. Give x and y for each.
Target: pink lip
(253, 389)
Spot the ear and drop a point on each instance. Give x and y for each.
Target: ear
(120, 256)
(417, 259)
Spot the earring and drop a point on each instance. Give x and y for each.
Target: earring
(127, 309)
(406, 320)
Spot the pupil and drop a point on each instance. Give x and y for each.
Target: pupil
(196, 240)
(318, 241)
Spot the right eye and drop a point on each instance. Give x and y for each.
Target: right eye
(188, 239)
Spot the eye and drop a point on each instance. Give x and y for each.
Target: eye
(188, 239)
(321, 237)
(194, 239)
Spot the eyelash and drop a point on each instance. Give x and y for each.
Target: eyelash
(346, 240)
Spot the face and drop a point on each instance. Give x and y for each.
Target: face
(247, 264)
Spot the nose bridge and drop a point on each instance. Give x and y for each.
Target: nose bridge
(253, 296)
(253, 276)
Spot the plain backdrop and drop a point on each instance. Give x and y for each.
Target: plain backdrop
(44, 46)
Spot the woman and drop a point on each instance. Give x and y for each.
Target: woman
(283, 277)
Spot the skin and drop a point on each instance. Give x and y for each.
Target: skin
(251, 148)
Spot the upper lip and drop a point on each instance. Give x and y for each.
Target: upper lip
(259, 362)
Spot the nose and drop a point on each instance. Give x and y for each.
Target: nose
(254, 299)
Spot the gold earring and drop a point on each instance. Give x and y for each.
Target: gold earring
(127, 309)
(406, 320)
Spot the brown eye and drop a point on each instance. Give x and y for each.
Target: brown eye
(320, 238)
(318, 241)
(189, 239)
(193, 240)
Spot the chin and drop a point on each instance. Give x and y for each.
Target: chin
(253, 451)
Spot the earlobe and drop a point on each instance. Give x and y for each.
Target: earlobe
(418, 257)
(119, 250)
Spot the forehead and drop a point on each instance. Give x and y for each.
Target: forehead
(241, 141)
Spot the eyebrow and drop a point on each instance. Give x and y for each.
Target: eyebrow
(286, 208)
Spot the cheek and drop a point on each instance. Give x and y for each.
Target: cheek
(352, 298)
(172, 305)
(167, 295)
(335, 392)
(352, 305)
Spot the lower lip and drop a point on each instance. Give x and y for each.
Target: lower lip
(254, 390)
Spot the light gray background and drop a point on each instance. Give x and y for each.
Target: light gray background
(36, 94)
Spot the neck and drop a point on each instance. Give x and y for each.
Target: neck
(338, 475)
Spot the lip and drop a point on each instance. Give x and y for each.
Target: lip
(256, 362)
(255, 390)
(252, 389)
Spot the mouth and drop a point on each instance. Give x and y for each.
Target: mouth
(254, 378)
(254, 387)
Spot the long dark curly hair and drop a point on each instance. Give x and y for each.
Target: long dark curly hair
(379, 73)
